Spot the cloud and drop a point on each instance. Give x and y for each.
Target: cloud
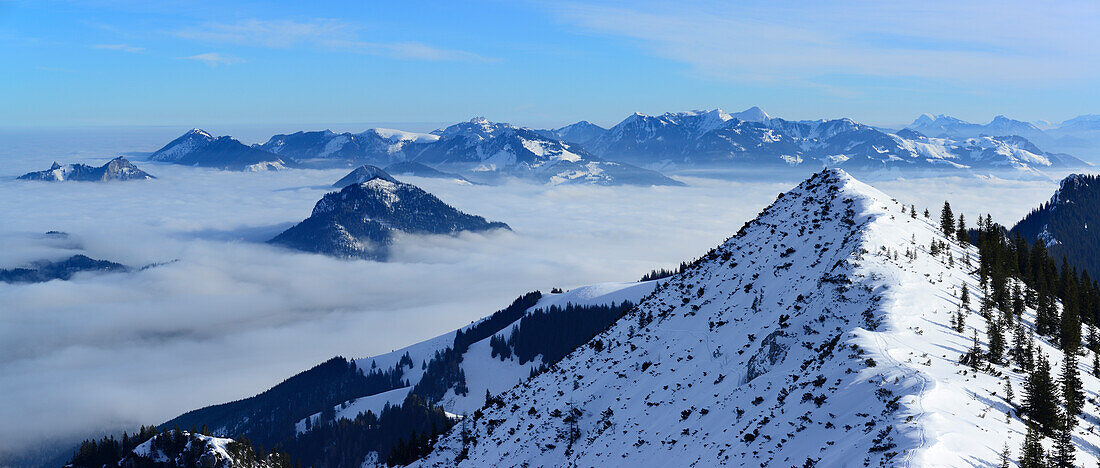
(213, 59)
(324, 34)
(974, 42)
(234, 316)
(119, 47)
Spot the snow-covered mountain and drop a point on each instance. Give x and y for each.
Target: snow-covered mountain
(714, 138)
(360, 220)
(116, 169)
(487, 150)
(801, 341)
(377, 146)
(199, 148)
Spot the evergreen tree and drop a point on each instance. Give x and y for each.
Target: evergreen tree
(947, 221)
(1070, 321)
(1040, 399)
(1072, 391)
(960, 231)
(913, 211)
(1031, 454)
(1064, 456)
(927, 214)
(996, 341)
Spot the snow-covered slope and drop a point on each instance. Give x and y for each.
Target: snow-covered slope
(804, 340)
(483, 371)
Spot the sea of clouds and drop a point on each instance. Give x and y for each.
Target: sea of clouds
(226, 316)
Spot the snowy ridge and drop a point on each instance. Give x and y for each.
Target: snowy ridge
(799, 341)
(483, 372)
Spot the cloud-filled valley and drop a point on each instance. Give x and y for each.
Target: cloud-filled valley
(230, 316)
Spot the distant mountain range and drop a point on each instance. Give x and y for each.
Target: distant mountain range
(718, 139)
(360, 220)
(1079, 135)
(632, 151)
(117, 169)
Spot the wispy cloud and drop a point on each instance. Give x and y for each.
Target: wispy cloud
(324, 34)
(119, 47)
(975, 42)
(213, 59)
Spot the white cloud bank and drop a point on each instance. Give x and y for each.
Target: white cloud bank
(233, 317)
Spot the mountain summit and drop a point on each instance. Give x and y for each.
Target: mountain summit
(116, 169)
(360, 220)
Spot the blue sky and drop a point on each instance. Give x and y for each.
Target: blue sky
(196, 63)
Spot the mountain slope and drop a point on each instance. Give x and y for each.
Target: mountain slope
(360, 220)
(199, 148)
(116, 169)
(800, 341)
(1067, 224)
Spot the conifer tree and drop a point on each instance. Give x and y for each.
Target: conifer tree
(927, 214)
(1019, 346)
(1069, 333)
(974, 357)
(1064, 456)
(960, 231)
(996, 340)
(1072, 391)
(1031, 454)
(947, 221)
(913, 211)
(1040, 399)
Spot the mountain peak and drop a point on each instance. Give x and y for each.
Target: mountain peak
(362, 174)
(752, 114)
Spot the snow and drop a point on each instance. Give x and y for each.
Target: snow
(215, 446)
(483, 372)
(771, 337)
(403, 136)
(598, 294)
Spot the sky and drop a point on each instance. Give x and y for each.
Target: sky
(540, 64)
